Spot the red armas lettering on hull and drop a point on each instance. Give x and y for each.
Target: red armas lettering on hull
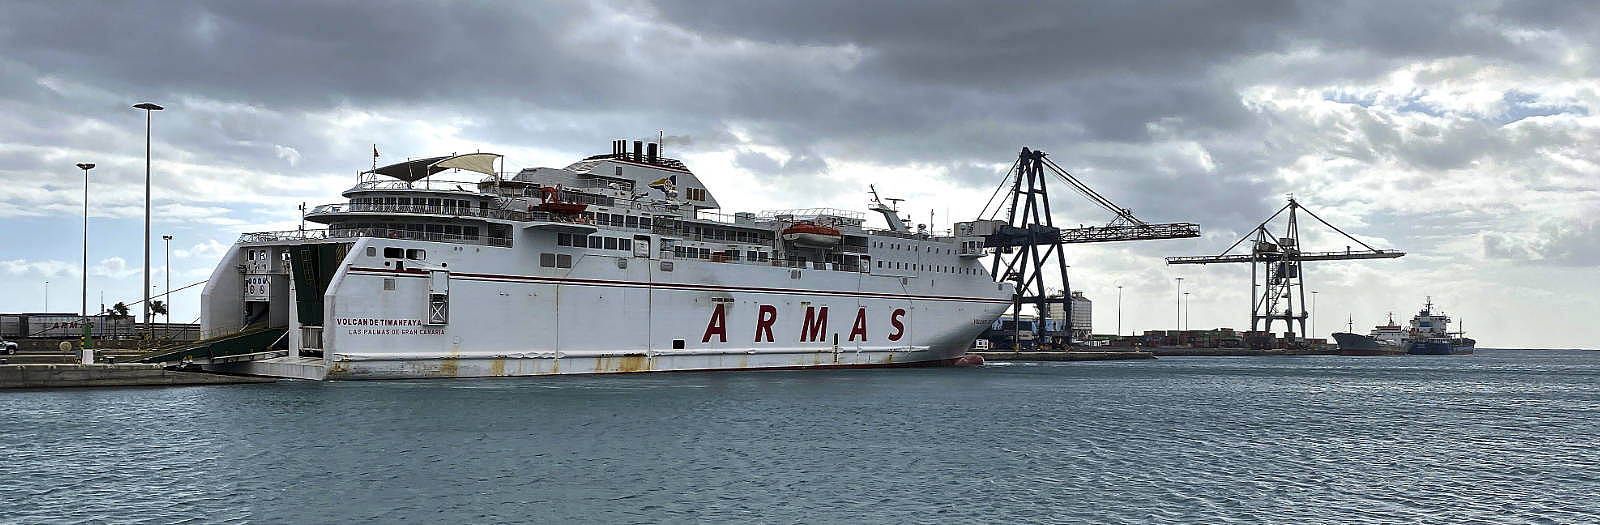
(718, 325)
(899, 329)
(816, 325)
(813, 328)
(860, 326)
(767, 315)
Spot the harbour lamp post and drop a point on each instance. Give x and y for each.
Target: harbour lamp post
(47, 296)
(83, 307)
(1313, 313)
(147, 107)
(1186, 311)
(1119, 310)
(85, 166)
(1179, 298)
(166, 298)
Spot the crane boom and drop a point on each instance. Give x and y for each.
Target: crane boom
(1303, 256)
(1142, 232)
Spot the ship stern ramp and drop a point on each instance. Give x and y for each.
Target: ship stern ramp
(265, 302)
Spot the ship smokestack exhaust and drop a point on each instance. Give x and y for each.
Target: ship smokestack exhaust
(650, 154)
(638, 150)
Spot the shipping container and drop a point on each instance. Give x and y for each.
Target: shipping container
(11, 326)
(61, 326)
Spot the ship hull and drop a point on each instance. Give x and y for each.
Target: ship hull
(1372, 352)
(1438, 348)
(622, 313)
(1357, 344)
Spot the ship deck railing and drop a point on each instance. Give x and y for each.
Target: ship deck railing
(837, 264)
(420, 209)
(379, 233)
(373, 181)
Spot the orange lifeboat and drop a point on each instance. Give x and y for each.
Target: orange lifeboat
(552, 203)
(809, 234)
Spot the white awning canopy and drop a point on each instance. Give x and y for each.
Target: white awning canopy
(415, 170)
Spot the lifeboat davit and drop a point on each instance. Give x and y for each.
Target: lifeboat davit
(552, 203)
(808, 234)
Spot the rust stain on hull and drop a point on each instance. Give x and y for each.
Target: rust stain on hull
(497, 367)
(623, 363)
(449, 367)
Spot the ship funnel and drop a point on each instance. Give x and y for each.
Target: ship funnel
(650, 154)
(638, 150)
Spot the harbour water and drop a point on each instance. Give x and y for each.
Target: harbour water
(1496, 437)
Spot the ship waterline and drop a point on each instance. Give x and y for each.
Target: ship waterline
(618, 263)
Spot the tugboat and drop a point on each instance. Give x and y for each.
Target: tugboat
(1387, 339)
(1430, 334)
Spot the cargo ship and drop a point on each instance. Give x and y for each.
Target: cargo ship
(1430, 335)
(1385, 339)
(619, 262)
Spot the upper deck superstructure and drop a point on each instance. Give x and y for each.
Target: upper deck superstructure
(630, 230)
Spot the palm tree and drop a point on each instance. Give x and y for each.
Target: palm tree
(158, 308)
(118, 312)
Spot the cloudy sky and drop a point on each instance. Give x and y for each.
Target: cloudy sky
(1460, 132)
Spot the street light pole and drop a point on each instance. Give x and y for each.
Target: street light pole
(1179, 298)
(1119, 310)
(47, 296)
(85, 166)
(147, 107)
(166, 298)
(1313, 313)
(1186, 311)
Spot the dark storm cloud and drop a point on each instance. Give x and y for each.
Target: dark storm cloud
(976, 78)
(945, 84)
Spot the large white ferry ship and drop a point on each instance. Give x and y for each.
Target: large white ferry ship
(617, 263)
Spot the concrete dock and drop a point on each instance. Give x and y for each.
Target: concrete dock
(76, 375)
(1074, 355)
(1184, 351)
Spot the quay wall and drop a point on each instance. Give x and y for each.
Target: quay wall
(75, 375)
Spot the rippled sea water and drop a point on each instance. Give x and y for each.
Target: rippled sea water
(1496, 437)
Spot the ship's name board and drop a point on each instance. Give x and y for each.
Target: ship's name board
(814, 327)
(380, 326)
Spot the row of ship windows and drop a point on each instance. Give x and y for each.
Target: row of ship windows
(892, 265)
(725, 234)
(728, 255)
(469, 232)
(597, 200)
(418, 201)
(601, 242)
(598, 242)
(706, 232)
(617, 219)
(910, 247)
(555, 260)
(415, 254)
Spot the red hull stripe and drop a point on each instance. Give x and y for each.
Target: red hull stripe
(679, 286)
